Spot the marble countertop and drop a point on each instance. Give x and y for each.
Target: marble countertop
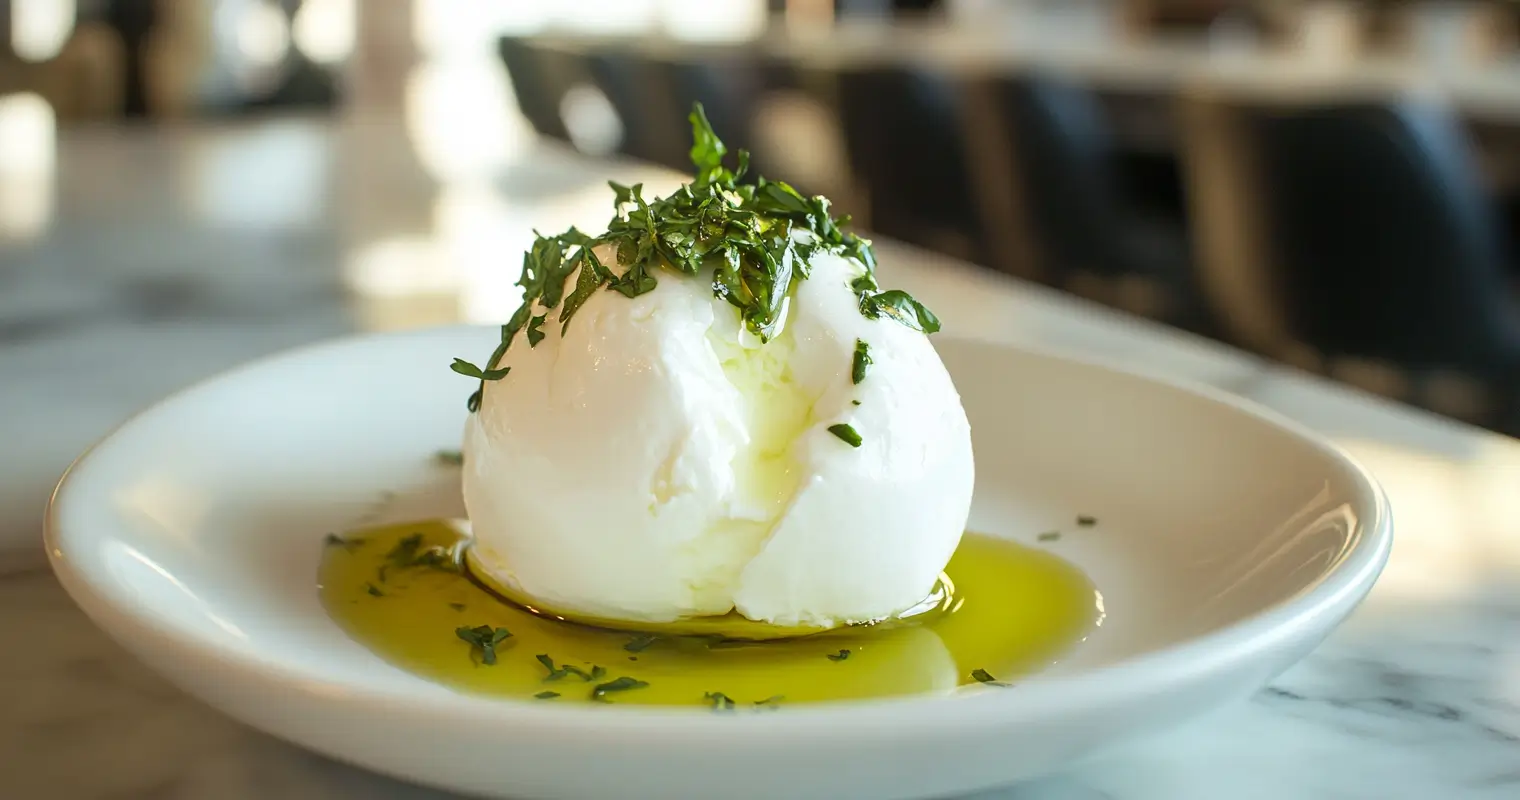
(162, 256)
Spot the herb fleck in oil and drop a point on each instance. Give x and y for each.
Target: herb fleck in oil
(1014, 610)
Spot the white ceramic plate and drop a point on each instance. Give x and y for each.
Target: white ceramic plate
(1230, 543)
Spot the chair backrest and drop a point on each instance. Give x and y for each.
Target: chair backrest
(727, 89)
(653, 129)
(1385, 242)
(533, 81)
(1065, 171)
(903, 126)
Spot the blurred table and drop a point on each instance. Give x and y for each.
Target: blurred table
(1485, 88)
(1137, 79)
(171, 254)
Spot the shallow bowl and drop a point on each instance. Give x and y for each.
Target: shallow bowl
(1228, 543)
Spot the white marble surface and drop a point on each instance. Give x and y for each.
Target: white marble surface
(175, 254)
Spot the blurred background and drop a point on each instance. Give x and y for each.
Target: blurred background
(185, 184)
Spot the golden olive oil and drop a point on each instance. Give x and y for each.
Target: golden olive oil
(403, 593)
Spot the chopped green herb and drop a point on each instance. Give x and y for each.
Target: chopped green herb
(864, 284)
(409, 552)
(839, 656)
(1049, 536)
(592, 276)
(773, 702)
(546, 695)
(640, 642)
(452, 458)
(861, 362)
(405, 550)
(374, 591)
(437, 558)
(623, 684)
(983, 676)
(457, 606)
(535, 335)
(846, 434)
(1086, 521)
(751, 240)
(485, 639)
(334, 540)
(898, 305)
(470, 370)
(719, 701)
(564, 670)
(854, 402)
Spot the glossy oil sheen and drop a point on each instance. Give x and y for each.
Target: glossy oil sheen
(1015, 609)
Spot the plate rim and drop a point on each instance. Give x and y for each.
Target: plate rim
(1335, 594)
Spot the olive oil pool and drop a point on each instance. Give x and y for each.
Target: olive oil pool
(405, 593)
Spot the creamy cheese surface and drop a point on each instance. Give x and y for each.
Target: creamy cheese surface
(654, 460)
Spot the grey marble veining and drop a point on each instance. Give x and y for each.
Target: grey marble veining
(1358, 719)
(146, 285)
(84, 720)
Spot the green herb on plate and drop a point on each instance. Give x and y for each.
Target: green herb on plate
(623, 684)
(334, 540)
(566, 670)
(409, 552)
(485, 639)
(983, 676)
(719, 701)
(640, 642)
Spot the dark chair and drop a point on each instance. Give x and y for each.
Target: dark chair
(539, 80)
(1386, 244)
(903, 129)
(1086, 230)
(653, 129)
(727, 88)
